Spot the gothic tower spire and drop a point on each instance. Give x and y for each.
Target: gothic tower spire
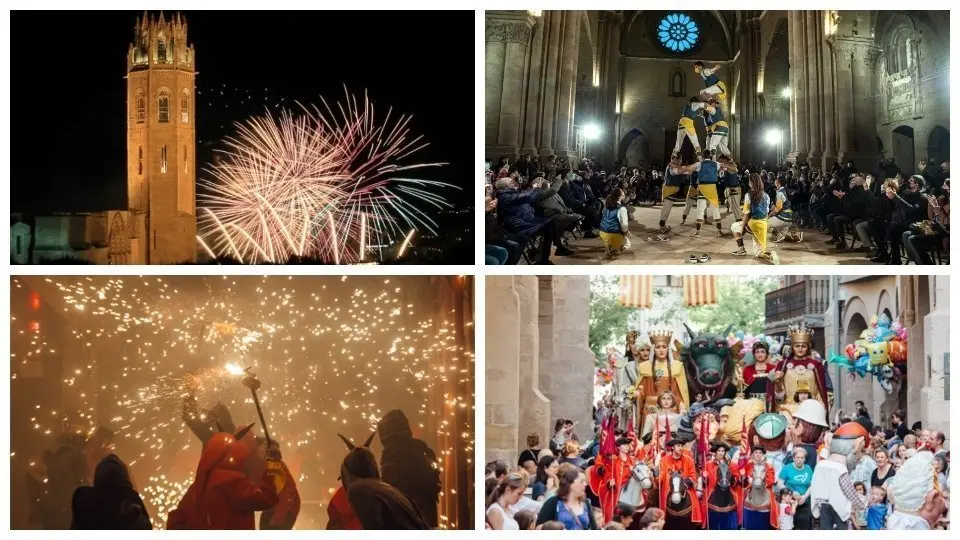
(161, 141)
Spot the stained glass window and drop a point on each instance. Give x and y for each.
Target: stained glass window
(678, 32)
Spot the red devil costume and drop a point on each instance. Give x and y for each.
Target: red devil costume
(222, 496)
(341, 516)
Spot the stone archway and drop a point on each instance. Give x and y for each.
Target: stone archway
(638, 153)
(634, 148)
(938, 145)
(847, 390)
(885, 305)
(903, 148)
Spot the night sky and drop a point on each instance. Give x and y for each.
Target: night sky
(68, 127)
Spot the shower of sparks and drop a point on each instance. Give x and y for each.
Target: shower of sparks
(325, 184)
(333, 354)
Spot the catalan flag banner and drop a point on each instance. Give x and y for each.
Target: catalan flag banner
(699, 290)
(636, 291)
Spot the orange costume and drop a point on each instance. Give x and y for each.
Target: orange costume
(769, 481)
(687, 470)
(617, 469)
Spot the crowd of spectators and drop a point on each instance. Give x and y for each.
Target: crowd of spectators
(533, 206)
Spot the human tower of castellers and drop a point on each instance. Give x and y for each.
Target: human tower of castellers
(732, 432)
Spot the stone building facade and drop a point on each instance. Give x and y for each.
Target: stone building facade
(161, 138)
(538, 361)
(922, 304)
(836, 85)
(159, 225)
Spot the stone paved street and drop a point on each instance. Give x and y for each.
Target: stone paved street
(676, 250)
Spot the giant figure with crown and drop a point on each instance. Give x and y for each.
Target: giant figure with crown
(801, 374)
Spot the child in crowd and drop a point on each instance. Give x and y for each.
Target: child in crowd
(552, 525)
(860, 517)
(613, 224)
(877, 510)
(526, 519)
(788, 509)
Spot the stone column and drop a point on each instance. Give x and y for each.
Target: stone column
(507, 38)
(865, 110)
(828, 97)
(798, 102)
(842, 62)
(856, 112)
(553, 31)
(567, 90)
(501, 399)
(567, 380)
(915, 342)
(748, 114)
(534, 76)
(814, 112)
(534, 406)
(934, 408)
(609, 58)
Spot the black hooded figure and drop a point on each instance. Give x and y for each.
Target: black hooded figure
(377, 505)
(409, 464)
(112, 503)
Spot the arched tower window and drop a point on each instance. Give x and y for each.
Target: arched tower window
(163, 159)
(678, 80)
(161, 49)
(163, 108)
(185, 108)
(140, 160)
(141, 106)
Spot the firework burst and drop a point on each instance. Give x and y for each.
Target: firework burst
(325, 183)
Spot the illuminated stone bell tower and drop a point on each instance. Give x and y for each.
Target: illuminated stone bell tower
(161, 140)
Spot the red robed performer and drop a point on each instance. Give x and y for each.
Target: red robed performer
(614, 472)
(682, 463)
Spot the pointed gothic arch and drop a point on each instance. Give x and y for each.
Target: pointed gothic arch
(141, 105)
(163, 106)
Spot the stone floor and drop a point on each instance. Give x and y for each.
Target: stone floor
(680, 245)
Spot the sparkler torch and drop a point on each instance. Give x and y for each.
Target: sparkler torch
(274, 463)
(253, 383)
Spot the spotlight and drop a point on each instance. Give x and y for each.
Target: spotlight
(591, 132)
(785, 92)
(772, 137)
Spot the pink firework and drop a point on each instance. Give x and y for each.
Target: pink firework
(324, 184)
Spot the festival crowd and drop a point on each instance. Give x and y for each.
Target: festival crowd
(239, 475)
(692, 445)
(533, 207)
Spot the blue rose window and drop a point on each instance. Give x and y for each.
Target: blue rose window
(678, 32)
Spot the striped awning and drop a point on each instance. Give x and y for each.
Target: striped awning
(699, 290)
(636, 291)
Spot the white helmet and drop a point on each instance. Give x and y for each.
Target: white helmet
(812, 411)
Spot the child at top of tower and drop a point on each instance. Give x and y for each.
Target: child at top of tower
(711, 81)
